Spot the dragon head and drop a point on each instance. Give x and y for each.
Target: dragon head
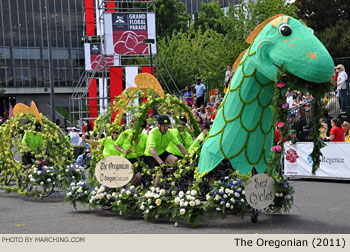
(284, 40)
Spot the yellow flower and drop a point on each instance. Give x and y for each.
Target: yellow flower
(158, 202)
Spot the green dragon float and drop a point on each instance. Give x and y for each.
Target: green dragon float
(243, 129)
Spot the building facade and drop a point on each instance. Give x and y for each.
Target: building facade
(24, 60)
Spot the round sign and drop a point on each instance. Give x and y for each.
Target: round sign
(260, 191)
(114, 171)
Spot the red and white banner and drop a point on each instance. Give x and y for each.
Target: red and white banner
(124, 32)
(335, 160)
(93, 57)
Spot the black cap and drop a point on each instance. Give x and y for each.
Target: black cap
(163, 119)
(183, 118)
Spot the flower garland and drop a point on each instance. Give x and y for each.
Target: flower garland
(49, 170)
(280, 112)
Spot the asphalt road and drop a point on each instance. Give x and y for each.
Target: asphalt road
(319, 207)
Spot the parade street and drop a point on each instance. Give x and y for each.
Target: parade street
(319, 207)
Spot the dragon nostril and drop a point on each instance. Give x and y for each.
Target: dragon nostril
(313, 55)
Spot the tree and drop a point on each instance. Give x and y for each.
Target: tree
(210, 17)
(170, 16)
(320, 14)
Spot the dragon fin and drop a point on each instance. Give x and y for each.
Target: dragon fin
(258, 29)
(238, 60)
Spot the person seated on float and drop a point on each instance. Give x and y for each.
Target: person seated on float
(184, 137)
(107, 143)
(199, 140)
(123, 145)
(157, 142)
(31, 141)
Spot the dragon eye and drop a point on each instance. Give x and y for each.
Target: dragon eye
(285, 30)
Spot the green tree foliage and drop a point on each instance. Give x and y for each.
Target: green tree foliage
(170, 16)
(215, 39)
(320, 14)
(210, 17)
(335, 39)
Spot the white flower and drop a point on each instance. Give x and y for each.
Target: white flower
(193, 192)
(74, 188)
(158, 202)
(135, 195)
(150, 207)
(225, 196)
(288, 197)
(218, 209)
(101, 196)
(182, 211)
(177, 200)
(157, 189)
(85, 192)
(128, 192)
(118, 202)
(237, 194)
(120, 212)
(142, 207)
(162, 192)
(188, 192)
(186, 203)
(92, 198)
(156, 196)
(69, 194)
(147, 211)
(30, 176)
(222, 202)
(32, 179)
(41, 183)
(176, 224)
(227, 205)
(277, 194)
(208, 197)
(182, 204)
(198, 202)
(234, 182)
(242, 200)
(232, 200)
(73, 177)
(39, 172)
(80, 190)
(67, 170)
(35, 170)
(109, 196)
(156, 216)
(217, 197)
(227, 191)
(188, 197)
(149, 201)
(231, 207)
(114, 194)
(221, 190)
(48, 180)
(226, 178)
(192, 203)
(132, 187)
(152, 188)
(181, 194)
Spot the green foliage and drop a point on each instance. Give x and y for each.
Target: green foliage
(210, 17)
(170, 16)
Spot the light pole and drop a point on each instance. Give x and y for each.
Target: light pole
(49, 48)
(149, 42)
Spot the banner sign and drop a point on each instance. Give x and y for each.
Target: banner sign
(114, 171)
(124, 32)
(335, 160)
(260, 191)
(93, 55)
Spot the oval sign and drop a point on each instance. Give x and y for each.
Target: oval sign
(260, 191)
(114, 171)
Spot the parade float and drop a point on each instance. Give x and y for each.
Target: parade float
(237, 168)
